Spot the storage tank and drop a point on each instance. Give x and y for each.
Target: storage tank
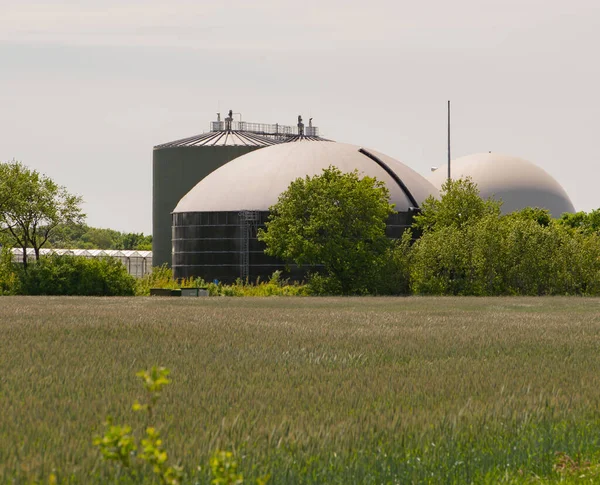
(517, 182)
(215, 224)
(179, 165)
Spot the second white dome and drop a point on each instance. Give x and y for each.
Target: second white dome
(517, 182)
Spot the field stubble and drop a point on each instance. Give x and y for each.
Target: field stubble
(311, 390)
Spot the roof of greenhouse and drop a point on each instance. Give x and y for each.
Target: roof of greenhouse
(88, 253)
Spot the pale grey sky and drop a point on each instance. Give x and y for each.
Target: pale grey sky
(87, 88)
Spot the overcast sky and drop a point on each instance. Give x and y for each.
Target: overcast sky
(88, 87)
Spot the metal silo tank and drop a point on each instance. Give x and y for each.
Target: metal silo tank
(178, 166)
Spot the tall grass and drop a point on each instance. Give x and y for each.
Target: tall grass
(162, 277)
(348, 390)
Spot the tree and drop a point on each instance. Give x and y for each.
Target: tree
(33, 205)
(80, 236)
(540, 216)
(586, 222)
(135, 241)
(459, 205)
(469, 248)
(336, 221)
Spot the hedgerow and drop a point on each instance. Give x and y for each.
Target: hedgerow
(75, 275)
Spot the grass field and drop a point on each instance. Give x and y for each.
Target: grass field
(310, 390)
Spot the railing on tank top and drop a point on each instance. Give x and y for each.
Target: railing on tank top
(265, 129)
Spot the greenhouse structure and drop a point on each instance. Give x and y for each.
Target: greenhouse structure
(138, 263)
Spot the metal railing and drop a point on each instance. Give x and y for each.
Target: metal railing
(263, 128)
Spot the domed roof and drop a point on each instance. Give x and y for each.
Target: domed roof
(517, 182)
(255, 180)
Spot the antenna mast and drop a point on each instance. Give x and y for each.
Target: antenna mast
(449, 171)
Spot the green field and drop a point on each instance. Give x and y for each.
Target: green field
(310, 390)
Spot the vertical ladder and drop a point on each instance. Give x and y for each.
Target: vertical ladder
(248, 225)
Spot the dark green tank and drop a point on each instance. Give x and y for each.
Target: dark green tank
(178, 166)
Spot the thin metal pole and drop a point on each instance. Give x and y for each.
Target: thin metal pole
(449, 171)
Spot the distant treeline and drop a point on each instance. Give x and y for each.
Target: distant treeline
(82, 236)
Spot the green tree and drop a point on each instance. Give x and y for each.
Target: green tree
(33, 205)
(81, 236)
(586, 222)
(458, 252)
(136, 241)
(98, 238)
(335, 221)
(459, 205)
(532, 258)
(67, 236)
(540, 216)
(525, 252)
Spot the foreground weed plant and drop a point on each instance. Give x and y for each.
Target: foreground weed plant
(224, 468)
(154, 381)
(155, 455)
(119, 445)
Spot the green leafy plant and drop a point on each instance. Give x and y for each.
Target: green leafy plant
(224, 468)
(152, 451)
(154, 381)
(119, 445)
(155, 455)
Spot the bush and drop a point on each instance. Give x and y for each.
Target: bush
(389, 274)
(162, 277)
(76, 275)
(274, 287)
(459, 261)
(9, 279)
(510, 255)
(469, 248)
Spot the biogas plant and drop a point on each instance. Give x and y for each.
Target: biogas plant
(211, 192)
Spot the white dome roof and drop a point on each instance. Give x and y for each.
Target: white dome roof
(255, 180)
(517, 182)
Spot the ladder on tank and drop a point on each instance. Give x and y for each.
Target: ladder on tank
(248, 226)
